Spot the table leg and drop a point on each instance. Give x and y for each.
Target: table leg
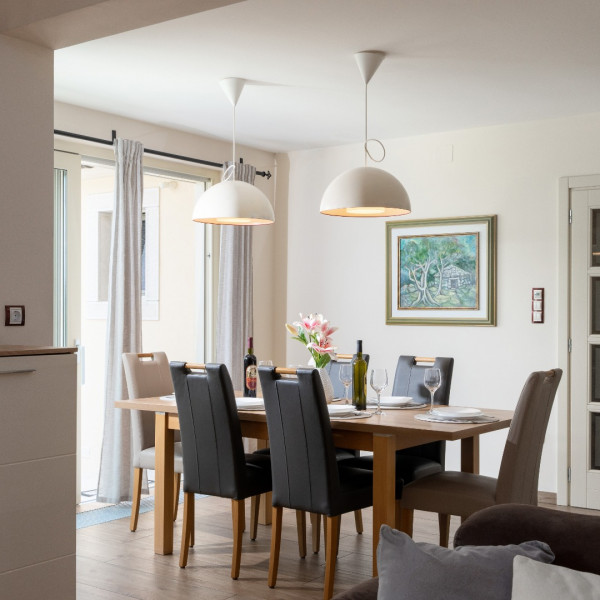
(384, 487)
(163, 487)
(265, 509)
(469, 454)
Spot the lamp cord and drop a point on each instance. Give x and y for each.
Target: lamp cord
(367, 139)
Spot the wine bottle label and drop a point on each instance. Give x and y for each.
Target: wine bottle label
(251, 373)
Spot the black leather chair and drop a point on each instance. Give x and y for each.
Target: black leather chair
(306, 474)
(426, 459)
(214, 462)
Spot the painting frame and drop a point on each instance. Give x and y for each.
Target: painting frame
(468, 241)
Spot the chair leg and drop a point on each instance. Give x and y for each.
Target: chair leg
(301, 528)
(315, 521)
(193, 519)
(254, 508)
(404, 519)
(188, 527)
(358, 521)
(238, 510)
(176, 486)
(444, 521)
(135, 501)
(275, 545)
(331, 547)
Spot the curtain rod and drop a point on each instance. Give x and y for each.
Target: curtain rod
(199, 161)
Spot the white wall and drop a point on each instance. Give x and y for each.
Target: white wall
(26, 218)
(337, 266)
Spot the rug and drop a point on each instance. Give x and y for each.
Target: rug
(115, 512)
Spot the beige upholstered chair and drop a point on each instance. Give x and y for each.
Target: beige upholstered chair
(457, 493)
(148, 375)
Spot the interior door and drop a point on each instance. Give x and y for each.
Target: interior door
(67, 269)
(585, 345)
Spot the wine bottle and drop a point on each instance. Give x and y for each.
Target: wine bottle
(359, 379)
(250, 372)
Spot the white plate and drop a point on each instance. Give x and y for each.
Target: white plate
(457, 412)
(394, 400)
(169, 397)
(250, 403)
(340, 411)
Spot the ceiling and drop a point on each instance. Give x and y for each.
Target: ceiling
(451, 64)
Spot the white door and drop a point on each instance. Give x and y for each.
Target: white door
(67, 269)
(585, 344)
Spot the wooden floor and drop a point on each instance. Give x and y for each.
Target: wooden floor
(115, 564)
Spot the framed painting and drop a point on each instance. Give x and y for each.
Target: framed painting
(441, 271)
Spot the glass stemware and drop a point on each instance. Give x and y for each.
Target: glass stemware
(432, 381)
(379, 381)
(345, 376)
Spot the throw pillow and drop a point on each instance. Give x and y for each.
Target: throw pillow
(535, 581)
(420, 571)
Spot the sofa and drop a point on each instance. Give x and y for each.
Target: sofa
(574, 539)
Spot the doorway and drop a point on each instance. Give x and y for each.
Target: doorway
(176, 282)
(581, 198)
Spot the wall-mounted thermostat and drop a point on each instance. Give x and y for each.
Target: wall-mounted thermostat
(537, 305)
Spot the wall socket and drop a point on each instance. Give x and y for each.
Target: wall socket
(14, 315)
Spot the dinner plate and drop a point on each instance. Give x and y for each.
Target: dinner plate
(344, 410)
(168, 397)
(394, 400)
(457, 412)
(250, 403)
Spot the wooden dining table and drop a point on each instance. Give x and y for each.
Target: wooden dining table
(380, 434)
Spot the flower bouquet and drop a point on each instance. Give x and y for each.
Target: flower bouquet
(314, 332)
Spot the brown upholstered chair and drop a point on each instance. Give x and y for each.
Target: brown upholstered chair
(148, 375)
(458, 493)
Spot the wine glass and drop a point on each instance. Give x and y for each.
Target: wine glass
(345, 376)
(379, 381)
(432, 381)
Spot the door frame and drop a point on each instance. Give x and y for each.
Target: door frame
(566, 184)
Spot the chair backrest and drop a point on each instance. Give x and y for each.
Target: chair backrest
(303, 463)
(146, 375)
(408, 381)
(211, 436)
(520, 466)
(333, 368)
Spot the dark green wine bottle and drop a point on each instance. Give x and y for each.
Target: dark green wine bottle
(359, 379)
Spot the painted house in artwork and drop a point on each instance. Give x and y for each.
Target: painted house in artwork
(454, 277)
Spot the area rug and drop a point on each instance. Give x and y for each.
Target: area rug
(116, 511)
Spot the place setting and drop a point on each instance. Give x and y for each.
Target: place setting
(449, 414)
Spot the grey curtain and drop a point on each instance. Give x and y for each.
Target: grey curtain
(124, 322)
(234, 304)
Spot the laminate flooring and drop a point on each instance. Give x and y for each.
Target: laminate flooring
(116, 564)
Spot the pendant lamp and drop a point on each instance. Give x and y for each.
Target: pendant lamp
(233, 202)
(366, 191)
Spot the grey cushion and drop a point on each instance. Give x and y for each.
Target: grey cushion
(535, 581)
(146, 458)
(421, 571)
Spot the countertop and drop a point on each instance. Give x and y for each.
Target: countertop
(14, 350)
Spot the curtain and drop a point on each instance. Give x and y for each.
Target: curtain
(124, 321)
(234, 304)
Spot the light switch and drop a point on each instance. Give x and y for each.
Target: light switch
(14, 315)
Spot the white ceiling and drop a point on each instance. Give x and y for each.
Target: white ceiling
(451, 64)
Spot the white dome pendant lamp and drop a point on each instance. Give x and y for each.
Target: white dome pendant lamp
(366, 191)
(233, 202)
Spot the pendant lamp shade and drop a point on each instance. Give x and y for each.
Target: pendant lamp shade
(366, 191)
(233, 202)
